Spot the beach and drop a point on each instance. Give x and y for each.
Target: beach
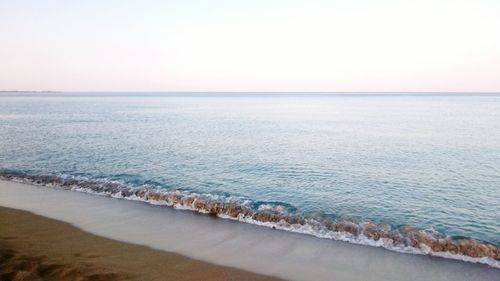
(33, 247)
(250, 140)
(206, 239)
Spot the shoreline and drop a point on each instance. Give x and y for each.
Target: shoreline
(403, 239)
(33, 246)
(230, 243)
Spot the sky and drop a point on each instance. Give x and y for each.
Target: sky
(259, 45)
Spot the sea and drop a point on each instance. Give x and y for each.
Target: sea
(410, 172)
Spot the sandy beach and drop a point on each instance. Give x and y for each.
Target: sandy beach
(33, 247)
(182, 245)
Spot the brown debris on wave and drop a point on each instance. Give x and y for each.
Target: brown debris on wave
(406, 238)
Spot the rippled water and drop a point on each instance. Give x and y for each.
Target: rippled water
(427, 160)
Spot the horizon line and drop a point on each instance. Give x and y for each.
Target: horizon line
(236, 92)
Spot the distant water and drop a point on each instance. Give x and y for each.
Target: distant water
(431, 161)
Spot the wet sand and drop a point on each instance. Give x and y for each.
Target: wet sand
(33, 247)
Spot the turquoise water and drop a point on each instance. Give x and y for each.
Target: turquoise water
(431, 161)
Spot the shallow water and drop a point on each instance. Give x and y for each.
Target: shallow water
(431, 161)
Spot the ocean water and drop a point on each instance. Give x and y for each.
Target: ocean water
(429, 161)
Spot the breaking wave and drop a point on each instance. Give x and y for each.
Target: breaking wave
(405, 239)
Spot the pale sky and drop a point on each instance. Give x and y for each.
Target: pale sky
(231, 45)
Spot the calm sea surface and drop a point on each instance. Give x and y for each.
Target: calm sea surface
(427, 160)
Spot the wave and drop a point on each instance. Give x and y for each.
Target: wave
(405, 239)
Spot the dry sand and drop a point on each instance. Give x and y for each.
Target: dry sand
(33, 247)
